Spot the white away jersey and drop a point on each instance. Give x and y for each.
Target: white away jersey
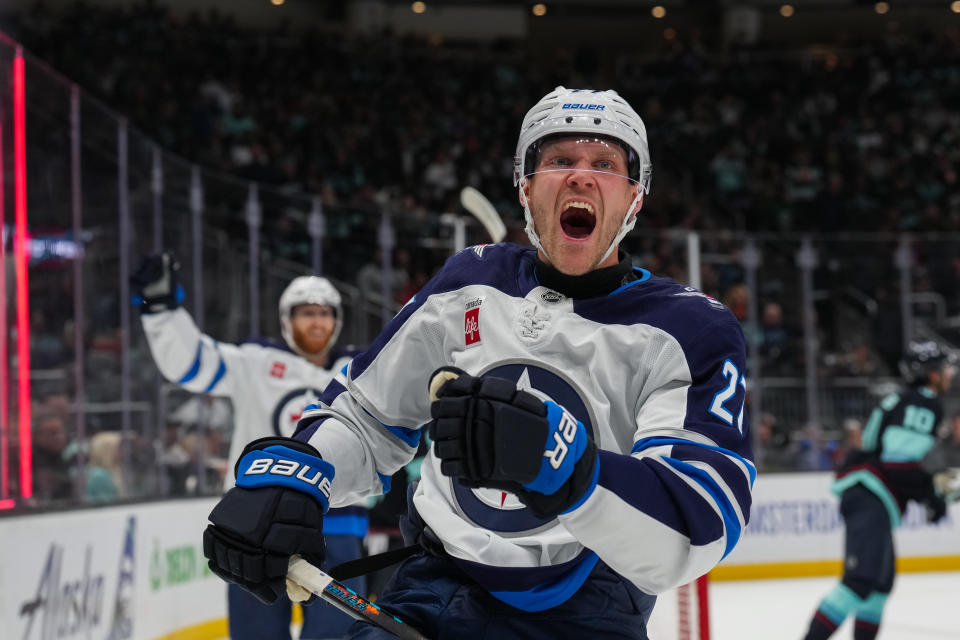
(654, 370)
(269, 385)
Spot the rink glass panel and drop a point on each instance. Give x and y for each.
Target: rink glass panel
(239, 243)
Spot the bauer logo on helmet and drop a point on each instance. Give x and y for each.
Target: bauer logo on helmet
(583, 105)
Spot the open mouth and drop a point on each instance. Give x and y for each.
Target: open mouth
(577, 220)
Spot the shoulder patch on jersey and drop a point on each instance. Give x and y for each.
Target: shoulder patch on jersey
(480, 251)
(471, 321)
(690, 292)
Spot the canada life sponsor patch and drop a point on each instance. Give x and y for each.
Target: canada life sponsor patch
(471, 321)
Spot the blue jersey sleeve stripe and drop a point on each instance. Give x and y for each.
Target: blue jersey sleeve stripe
(730, 521)
(195, 367)
(652, 488)
(385, 482)
(218, 376)
(410, 437)
(660, 441)
(345, 525)
(727, 469)
(305, 429)
(333, 389)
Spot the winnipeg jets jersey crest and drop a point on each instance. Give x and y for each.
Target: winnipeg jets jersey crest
(656, 377)
(498, 510)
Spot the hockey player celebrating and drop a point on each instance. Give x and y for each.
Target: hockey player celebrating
(590, 447)
(874, 486)
(269, 384)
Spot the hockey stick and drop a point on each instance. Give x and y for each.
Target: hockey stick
(319, 583)
(481, 209)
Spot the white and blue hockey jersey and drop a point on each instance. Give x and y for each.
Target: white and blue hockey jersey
(268, 384)
(654, 370)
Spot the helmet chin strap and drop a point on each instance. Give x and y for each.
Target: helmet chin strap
(528, 216)
(625, 227)
(627, 224)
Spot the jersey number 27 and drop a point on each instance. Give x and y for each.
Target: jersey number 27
(717, 407)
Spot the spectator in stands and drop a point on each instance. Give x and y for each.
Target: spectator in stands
(370, 276)
(205, 456)
(860, 361)
(104, 473)
(175, 460)
(737, 299)
(851, 440)
(51, 472)
(947, 453)
(775, 340)
(813, 453)
(773, 448)
(439, 179)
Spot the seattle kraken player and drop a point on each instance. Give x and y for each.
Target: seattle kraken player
(874, 486)
(590, 444)
(269, 384)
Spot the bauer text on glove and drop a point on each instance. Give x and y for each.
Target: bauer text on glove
(275, 511)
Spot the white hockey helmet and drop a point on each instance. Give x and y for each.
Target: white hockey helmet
(603, 114)
(309, 290)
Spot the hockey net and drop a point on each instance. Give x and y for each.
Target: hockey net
(683, 613)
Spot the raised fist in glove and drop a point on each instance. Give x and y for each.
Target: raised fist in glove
(275, 511)
(487, 433)
(156, 283)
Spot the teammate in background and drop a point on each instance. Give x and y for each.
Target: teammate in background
(269, 384)
(590, 447)
(874, 486)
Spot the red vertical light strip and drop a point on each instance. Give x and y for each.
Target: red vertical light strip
(4, 363)
(20, 256)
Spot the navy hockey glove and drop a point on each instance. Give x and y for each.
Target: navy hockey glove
(275, 511)
(156, 283)
(487, 433)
